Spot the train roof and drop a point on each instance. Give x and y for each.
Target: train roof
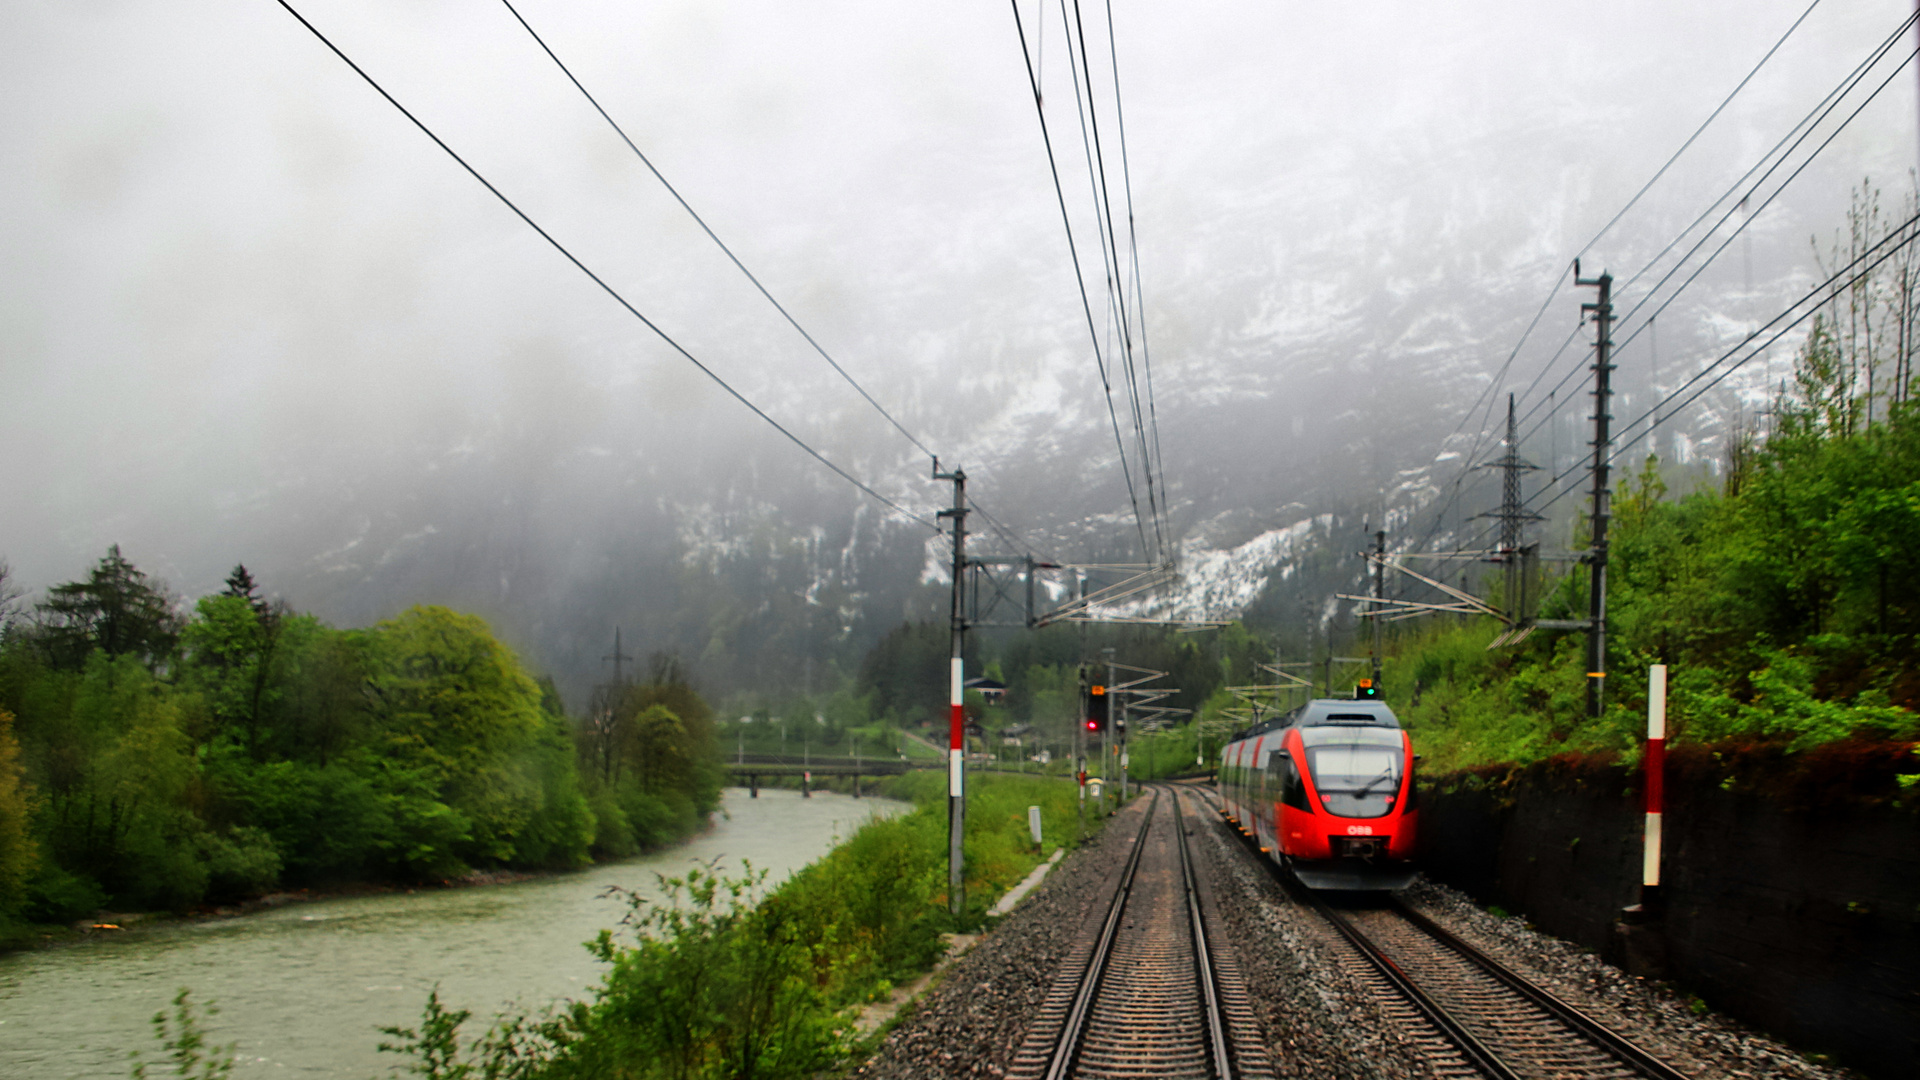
(1328, 712)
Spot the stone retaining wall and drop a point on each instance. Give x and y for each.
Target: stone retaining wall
(1792, 882)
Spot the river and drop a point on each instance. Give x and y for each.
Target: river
(302, 988)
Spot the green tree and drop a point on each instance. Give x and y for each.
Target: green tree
(19, 854)
(120, 773)
(118, 610)
(456, 715)
(230, 646)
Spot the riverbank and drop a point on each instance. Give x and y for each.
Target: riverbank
(729, 974)
(111, 922)
(304, 986)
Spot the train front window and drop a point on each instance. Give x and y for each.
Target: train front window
(1355, 779)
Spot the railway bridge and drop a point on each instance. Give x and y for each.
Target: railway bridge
(747, 769)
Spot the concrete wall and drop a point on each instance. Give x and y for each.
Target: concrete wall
(1792, 882)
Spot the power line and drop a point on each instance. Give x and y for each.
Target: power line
(1086, 303)
(1489, 394)
(1749, 219)
(1797, 135)
(711, 235)
(1819, 111)
(1803, 129)
(1830, 287)
(597, 280)
(1702, 128)
(1905, 230)
(1014, 542)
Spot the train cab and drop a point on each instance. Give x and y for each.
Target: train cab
(1328, 791)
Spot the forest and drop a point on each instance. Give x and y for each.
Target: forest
(152, 758)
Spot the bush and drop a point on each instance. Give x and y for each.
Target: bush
(240, 864)
(56, 895)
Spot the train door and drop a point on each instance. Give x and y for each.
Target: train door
(1262, 804)
(1293, 815)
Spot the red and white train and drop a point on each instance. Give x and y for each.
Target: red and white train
(1327, 791)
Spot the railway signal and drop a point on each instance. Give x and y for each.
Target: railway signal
(1099, 707)
(1367, 690)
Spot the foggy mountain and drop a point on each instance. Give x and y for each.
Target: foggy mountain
(251, 314)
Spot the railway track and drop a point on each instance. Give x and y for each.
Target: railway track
(1470, 1014)
(1148, 991)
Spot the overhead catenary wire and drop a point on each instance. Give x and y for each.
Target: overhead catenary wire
(1117, 291)
(1121, 320)
(1086, 302)
(1110, 243)
(1157, 462)
(711, 235)
(601, 282)
(731, 255)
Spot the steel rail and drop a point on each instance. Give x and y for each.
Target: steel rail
(1067, 1051)
(1629, 1052)
(1202, 956)
(1477, 1053)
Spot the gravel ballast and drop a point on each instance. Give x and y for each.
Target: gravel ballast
(1316, 1015)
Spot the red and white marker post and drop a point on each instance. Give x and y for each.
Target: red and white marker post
(957, 728)
(1656, 770)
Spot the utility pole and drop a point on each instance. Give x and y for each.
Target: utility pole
(956, 699)
(957, 704)
(1513, 516)
(1379, 596)
(1080, 738)
(616, 657)
(1602, 310)
(1105, 779)
(1080, 721)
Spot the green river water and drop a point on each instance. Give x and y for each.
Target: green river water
(302, 988)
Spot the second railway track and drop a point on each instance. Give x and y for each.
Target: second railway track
(1473, 1015)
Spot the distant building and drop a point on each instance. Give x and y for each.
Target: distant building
(993, 690)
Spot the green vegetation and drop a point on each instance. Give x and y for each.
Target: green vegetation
(726, 978)
(185, 1043)
(1776, 601)
(154, 759)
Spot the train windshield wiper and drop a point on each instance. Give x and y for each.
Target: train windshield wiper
(1366, 788)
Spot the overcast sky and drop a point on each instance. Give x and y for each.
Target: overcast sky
(233, 274)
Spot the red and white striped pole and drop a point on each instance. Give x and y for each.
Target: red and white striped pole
(1656, 766)
(956, 699)
(957, 729)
